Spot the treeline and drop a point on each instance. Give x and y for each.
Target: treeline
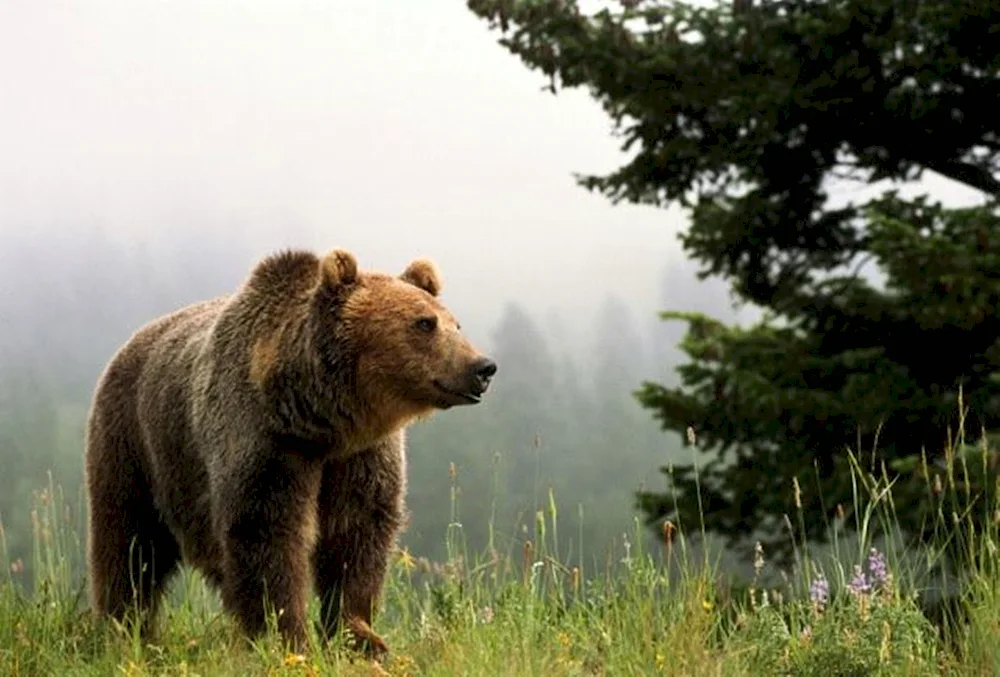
(561, 414)
(551, 427)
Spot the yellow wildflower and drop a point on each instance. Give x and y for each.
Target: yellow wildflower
(403, 665)
(406, 559)
(294, 659)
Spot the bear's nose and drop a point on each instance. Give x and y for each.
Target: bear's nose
(484, 370)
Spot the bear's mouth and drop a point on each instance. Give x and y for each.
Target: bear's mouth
(463, 397)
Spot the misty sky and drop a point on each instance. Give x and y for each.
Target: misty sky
(394, 128)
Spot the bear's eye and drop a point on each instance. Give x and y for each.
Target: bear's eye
(426, 324)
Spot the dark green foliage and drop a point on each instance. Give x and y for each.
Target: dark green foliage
(747, 115)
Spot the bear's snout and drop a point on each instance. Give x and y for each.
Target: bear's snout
(469, 385)
(482, 373)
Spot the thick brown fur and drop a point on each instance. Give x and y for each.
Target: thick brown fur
(259, 437)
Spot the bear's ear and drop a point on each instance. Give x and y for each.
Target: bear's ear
(424, 274)
(339, 267)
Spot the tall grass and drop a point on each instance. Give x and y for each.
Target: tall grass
(528, 608)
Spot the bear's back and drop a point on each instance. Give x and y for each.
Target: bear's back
(151, 350)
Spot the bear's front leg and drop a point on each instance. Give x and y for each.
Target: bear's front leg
(361, 512)
(362, 588)
(350, 570)
(266, 516)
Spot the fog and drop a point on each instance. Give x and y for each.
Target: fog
(395, 129)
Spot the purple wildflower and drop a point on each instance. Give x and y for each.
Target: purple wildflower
(859, 584)
(877, 568)
(819, 591)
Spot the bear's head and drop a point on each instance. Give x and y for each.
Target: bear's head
(372, 348)
(409, 347)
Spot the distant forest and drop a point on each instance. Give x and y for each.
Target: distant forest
(561, 415)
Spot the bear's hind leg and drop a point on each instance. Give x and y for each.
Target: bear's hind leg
(131, 553)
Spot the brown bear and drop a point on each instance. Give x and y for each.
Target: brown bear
(259, 437)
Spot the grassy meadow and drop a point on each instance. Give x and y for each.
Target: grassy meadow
(854, 608)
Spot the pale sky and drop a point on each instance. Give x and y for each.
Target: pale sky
(394, 128)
